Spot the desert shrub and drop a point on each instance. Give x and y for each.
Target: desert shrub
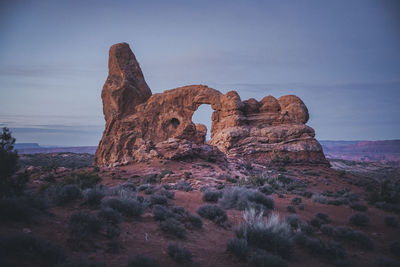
(331, 249)
(165, 172)
(242, 198)
(144, 187)
(166, 193)
(301, 207)
(270, 233)
(316, 222)
(127, 207)
(257, 180)
(296, 201)
(323, 217)
(152, 178)
(319, 199)
(183, 186)
(83, 226)
(357, 206)
(265, 259)
(211, 195)
(293, 220)
(391, 221)
(109, 215)
(21, 208)
(27, 249)
(62, 195)
(195, 221)
(359, 219)
(93, 196)
(238, 247)
(213, 213)
(356, 237)
(395, 247)
(161, 213)
(158, 200)
(266, 189)
(307, 194)
(179, 254)
(173, 227)
(143, 261)
(386, 262)
(83, 180)
(326, 229)
(291, 209)
(307, 228)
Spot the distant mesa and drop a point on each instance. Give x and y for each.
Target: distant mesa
(141, 125)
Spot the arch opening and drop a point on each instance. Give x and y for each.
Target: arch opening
(203, 115)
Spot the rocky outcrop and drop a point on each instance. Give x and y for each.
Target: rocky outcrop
(140, 125)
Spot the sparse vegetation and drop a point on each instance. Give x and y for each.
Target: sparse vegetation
(271, 233)
(18, 249)
(238, 247)
(356, 237)
(211, 195)
(213, 213)
(83, 226)
(359, 219)
(127, 207)
(242, 198)
(173, 227)
(265, 259)
(179, 254)
(391, 221)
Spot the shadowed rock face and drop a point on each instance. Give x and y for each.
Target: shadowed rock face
(140, 125)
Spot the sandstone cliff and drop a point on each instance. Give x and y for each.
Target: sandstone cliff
(140, 125)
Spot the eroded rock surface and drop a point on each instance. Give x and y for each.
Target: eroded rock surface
(140, 126)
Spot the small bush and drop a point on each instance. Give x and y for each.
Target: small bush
(166, 193)
(84, 180)
(109, 215)
(238, 247)
(213, 213)
(391, 221)
(127, 207)
(83, 226)
(323, 217)
(359, 219)
(357, 237)
(183, 186)
(326, 229)
(21, 209)
(319, 199)
(296, 201)
(93, 196)
(265, 259)
(242, 198)
(357, 206)
(158, 200)
(143, 261)
(24, 249)
(291, 209)
(211, 195)
(395, 247)
(179, 254)
(65, 194)
(173, 227)
(195, 221)
(266, 189)
(293, 220)
(270, 233)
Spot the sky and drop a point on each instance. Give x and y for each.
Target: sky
(342, 58)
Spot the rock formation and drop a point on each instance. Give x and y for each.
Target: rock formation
(140, 126)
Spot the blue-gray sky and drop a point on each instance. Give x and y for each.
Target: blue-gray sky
(341, 57)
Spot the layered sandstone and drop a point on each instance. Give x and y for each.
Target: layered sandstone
(140, 125)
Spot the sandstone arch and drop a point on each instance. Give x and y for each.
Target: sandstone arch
(142, 125)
